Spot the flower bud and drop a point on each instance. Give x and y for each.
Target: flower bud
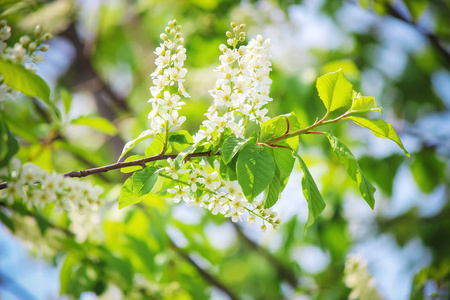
(43, 48)
(25, 40)
(174, 22)
(167, 30)
(251, 219)
(170, 24)
(163, 36)
(263, 228)
(230, 42)
(178, 35)
(223, 48)
(179, 27)
(38, 31)
(32, 46)
(233, 25)
(242, 26)
(242, 34)
(228, 34)
(38, 58)
(172, 32)
(241, 39)
(276, 227)
(48, 36)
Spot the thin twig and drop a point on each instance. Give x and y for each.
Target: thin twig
(283, 272)
(205, 274)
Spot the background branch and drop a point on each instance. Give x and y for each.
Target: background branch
(434, 40)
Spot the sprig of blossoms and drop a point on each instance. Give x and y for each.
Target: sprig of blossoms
(197, 186)
(39, 188)
(28, 51)
(241, 89)
(168, 81)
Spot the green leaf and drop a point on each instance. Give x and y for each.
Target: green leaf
(7, 221)
(137, 186)
(284, 163)
(25, 81)
(349, 162)
(228, 171)
(230, 147)
(379, 128)
(132, 168)
(427, 169)
(130, 145)
(156, 146)
(179, 140)
(312, 195)
(272, 192)
(97, 123)
(8, 143)
(273, 128)
(416, 7)
(255, 169)
(364, 103)
(66, 99)
(41, 221)
(65, 275)
(251, 128)
(334, 90)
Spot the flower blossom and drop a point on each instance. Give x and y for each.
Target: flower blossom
(167, 78)
(241, 89)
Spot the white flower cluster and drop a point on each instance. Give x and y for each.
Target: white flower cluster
(38, 188)
(198, 187)
(357, 278)
(168, 81)
(27, 52)
(241, 89)
(27, 230)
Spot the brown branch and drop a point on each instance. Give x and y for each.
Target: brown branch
(283, 272)
(84, 63)
(119, 165)
(205, 274)
(432, 38)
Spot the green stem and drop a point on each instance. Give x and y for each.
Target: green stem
(309, 128)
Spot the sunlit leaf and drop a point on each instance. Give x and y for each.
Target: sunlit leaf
(334, 90)
(98, 123)
(364, 103)
(381, 129)
(130, 145)
(137, 186)
(25, 81)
